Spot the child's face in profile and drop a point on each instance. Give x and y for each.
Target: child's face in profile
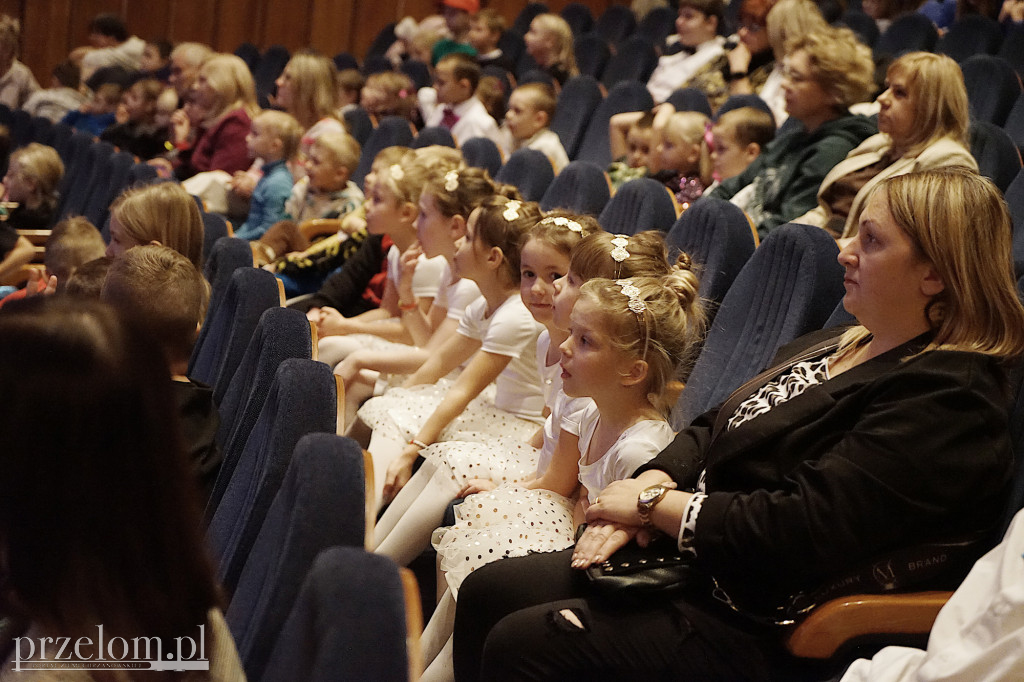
(324, 172)
(104, 105)
(522, 117)
(728, 156)
(151, 60)
(639, 142)
(17, 187)
(677, 154)
(694, 27)
(539, 43)
(263, 141)
(449, 89)
(136, 108)
(481, 37)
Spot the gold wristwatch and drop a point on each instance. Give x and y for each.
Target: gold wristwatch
(646, 500)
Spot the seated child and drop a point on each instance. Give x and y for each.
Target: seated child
(32, 180)
(324, 192)
(358, 285)
(451, 103)
(350, 85)
(274, 139)
(632, 140)
(167, 296)
(739, 136)
(137, 129)
(457, 16)
(87, 281)
(61, 97)
(530, 110)
(549, 41)
(682, 154)
(697, 30)
(72, 243)
(97, 114)
(156, 60)
(388, 93)
(485, 31)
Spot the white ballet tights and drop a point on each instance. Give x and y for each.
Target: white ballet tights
(331, 350)
(406, 526)
(436, 642)
(383, 450)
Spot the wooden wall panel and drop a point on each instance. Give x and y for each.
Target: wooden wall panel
(51, 28)
(332, 27)
(283, 25)
(237, 22)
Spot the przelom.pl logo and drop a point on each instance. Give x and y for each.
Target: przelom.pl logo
(114, 653)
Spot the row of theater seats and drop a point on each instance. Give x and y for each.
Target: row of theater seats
(287, 519)
(258, 356)
(95, 174)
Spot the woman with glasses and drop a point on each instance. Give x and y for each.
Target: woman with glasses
(824, 73)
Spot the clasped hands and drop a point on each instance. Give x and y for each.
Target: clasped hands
(612, 521)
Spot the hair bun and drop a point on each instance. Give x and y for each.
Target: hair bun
(684, 262)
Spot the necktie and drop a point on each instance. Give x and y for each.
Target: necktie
(449, 119)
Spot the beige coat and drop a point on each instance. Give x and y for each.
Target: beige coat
(941, 153)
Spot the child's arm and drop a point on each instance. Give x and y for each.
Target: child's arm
(618, 129)
(562, 475)
(382, 322)
(456, 350)
(482, 370)
(420, 322)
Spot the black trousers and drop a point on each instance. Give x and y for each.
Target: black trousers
(535, 618)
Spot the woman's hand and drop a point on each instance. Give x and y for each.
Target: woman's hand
(617, 502)
(181, 127)
(600, 540)
(739, 58)
(399, 472)
(476, 485)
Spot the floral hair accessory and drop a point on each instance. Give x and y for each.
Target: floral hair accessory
(451, 181)
(637, 306)
(396, 172)
(619, 253)
(403, 93)
(562, 221)
(511, 210)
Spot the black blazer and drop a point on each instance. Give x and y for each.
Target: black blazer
(889, 454)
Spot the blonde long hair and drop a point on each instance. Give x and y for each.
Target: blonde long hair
(959, 222)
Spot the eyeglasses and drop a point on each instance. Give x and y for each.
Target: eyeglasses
(794, 76)
(752, 27)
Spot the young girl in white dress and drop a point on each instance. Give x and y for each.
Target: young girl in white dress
(625, 343)
(497, 335)
(457, 468)
(445, 204)
(391, 205)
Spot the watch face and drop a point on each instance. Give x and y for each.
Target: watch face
(648, 495)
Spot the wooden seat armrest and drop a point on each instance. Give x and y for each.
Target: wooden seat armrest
(37, 237)
(834, 623)
(319, 227)
(413, 622)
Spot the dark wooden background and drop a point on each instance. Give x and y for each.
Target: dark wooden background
(51, 28)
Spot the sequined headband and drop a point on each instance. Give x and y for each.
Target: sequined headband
(564, 222)
(637, 307)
